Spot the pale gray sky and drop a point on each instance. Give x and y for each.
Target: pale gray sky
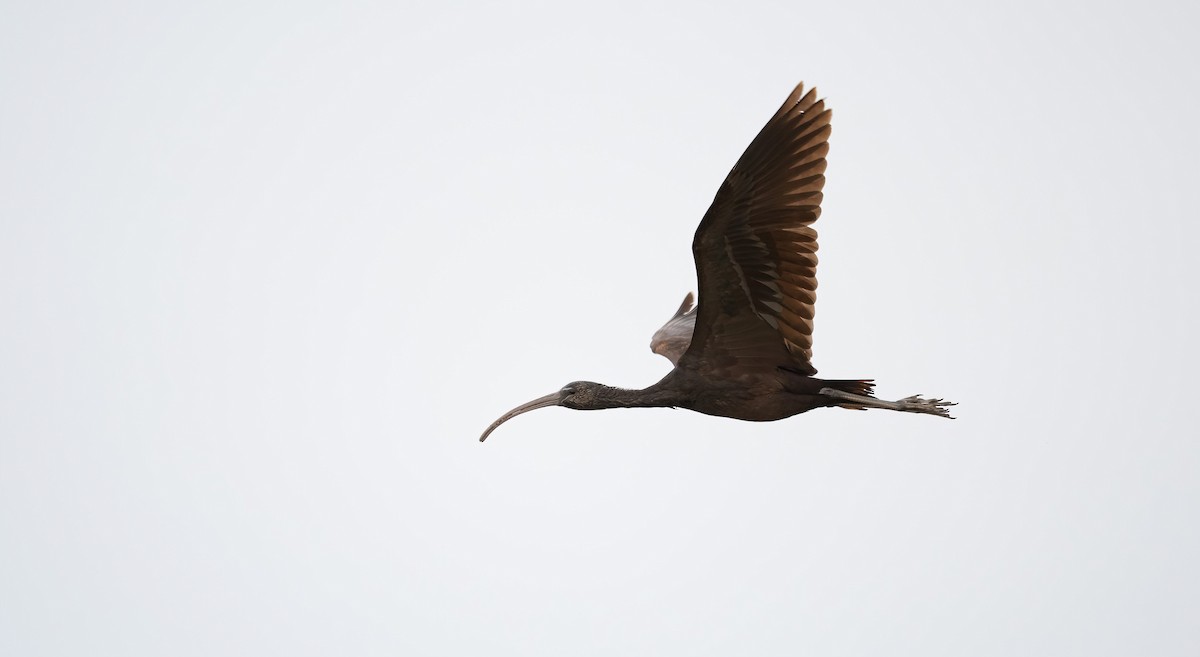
(269, 268)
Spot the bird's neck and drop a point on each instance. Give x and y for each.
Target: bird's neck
(654, 396)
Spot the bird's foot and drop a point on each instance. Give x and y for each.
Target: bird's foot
(918, 404)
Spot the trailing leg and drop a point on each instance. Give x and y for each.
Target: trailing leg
(913, 404)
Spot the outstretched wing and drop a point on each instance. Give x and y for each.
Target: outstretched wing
(755, 249)
(674, 337)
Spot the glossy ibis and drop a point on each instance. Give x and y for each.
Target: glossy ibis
(745, 351)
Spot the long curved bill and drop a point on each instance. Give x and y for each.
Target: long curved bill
(541, 402)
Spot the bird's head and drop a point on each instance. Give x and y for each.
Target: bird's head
(579, 395)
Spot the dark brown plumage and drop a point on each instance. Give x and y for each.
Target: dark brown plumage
(745, 351)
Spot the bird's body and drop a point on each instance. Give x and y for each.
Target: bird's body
(752, 396)
(746, 396)
(745, 351)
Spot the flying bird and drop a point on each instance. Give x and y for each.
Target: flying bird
(745, 350)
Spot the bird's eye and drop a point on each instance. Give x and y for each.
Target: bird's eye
(567, 390)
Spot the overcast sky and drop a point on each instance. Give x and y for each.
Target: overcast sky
(267, 269)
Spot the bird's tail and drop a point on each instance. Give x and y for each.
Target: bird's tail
(864, 387)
